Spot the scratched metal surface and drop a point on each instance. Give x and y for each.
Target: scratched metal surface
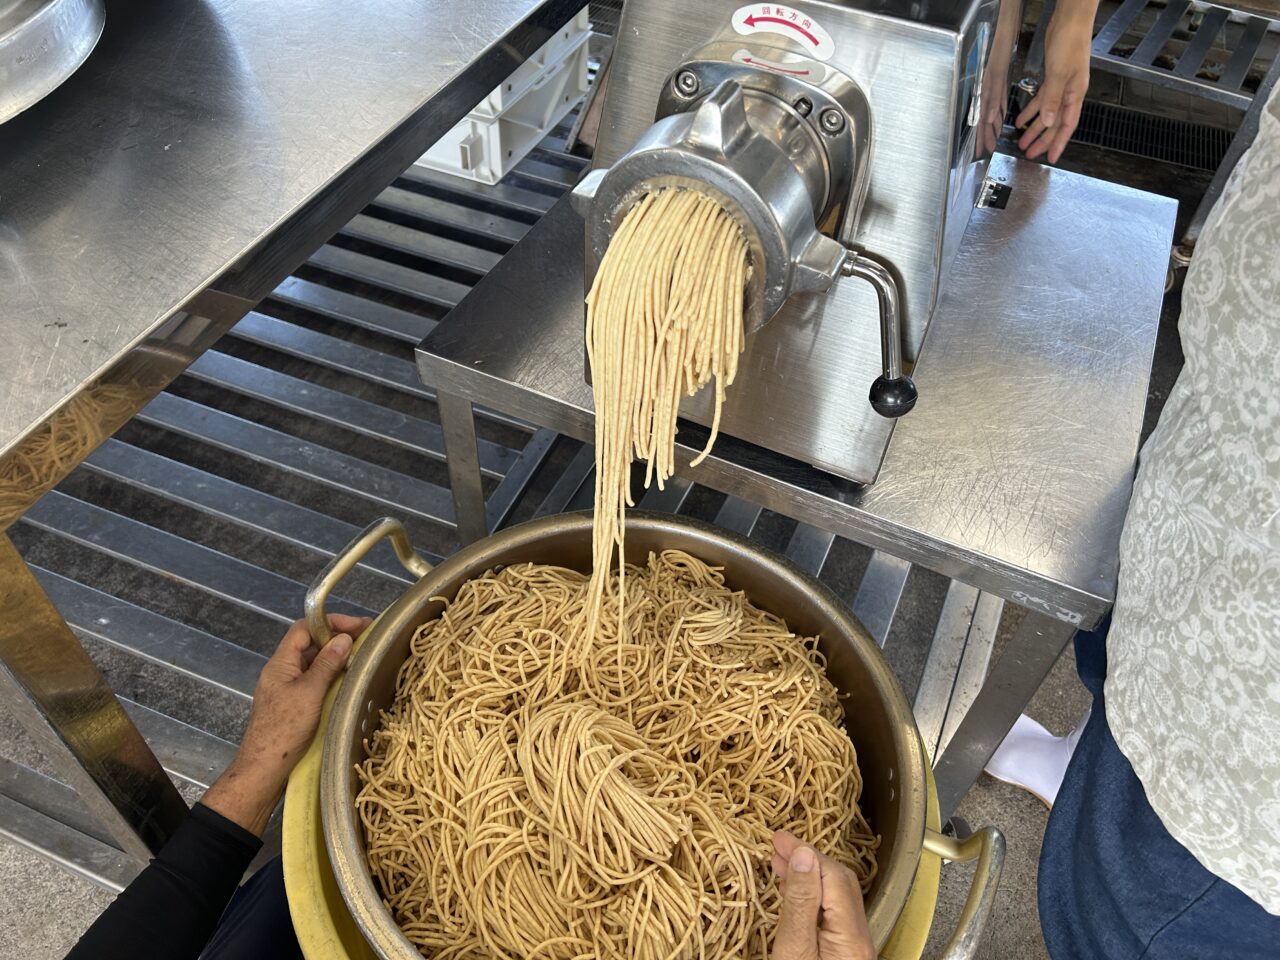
(191, 136)
(1012, 473)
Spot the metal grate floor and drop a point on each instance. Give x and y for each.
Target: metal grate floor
(181, 548)
(1137, 134)
(1156, 138)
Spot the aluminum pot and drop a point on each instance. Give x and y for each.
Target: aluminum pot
(880, 722)
(42, 43)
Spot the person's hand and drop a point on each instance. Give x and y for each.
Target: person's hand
(286, 711)
(1051, 117)
(822, 916)
(994, 95)
(290, 694)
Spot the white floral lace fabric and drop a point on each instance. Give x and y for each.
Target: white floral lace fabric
(1193, 685)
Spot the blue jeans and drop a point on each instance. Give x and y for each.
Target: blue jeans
(1114, 884)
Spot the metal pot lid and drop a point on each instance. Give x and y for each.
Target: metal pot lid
(42, 42)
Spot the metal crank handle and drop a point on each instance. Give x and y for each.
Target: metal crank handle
(987, 847)
(344, 562)
(893, 392)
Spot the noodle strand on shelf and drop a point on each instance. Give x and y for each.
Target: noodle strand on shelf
(42, 459)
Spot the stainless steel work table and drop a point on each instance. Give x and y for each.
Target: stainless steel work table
(1011, 475)
(202, 152)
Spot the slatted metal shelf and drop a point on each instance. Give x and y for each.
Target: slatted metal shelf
(302, 425)
(1175, 44)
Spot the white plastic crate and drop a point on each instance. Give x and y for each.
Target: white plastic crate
(514, 118)
(548, 57)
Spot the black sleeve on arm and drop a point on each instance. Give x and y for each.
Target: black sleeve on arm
(170, 910)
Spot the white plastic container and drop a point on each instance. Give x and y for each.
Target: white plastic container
(515, 117)
(548, 57)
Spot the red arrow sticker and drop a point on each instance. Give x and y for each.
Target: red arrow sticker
(790, 64)
(788, 22)
(774, 67)
(798, 28)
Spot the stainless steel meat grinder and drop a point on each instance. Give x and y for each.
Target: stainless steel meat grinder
(842, 136)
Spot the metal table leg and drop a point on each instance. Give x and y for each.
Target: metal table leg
(458, 422)
(956, 670)
(876, 602)
(975, 663)
(1026, 661)
(57, 693)
(1241, 142)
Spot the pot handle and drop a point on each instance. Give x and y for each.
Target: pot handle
(343, 563)
(987, 847)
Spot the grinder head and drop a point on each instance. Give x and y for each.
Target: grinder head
(770, 165)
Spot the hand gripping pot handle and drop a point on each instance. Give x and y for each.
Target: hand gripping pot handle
(987, 847)
(345, 561)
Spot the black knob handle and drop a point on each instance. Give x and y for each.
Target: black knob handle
(893, 397)
(893, 393)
